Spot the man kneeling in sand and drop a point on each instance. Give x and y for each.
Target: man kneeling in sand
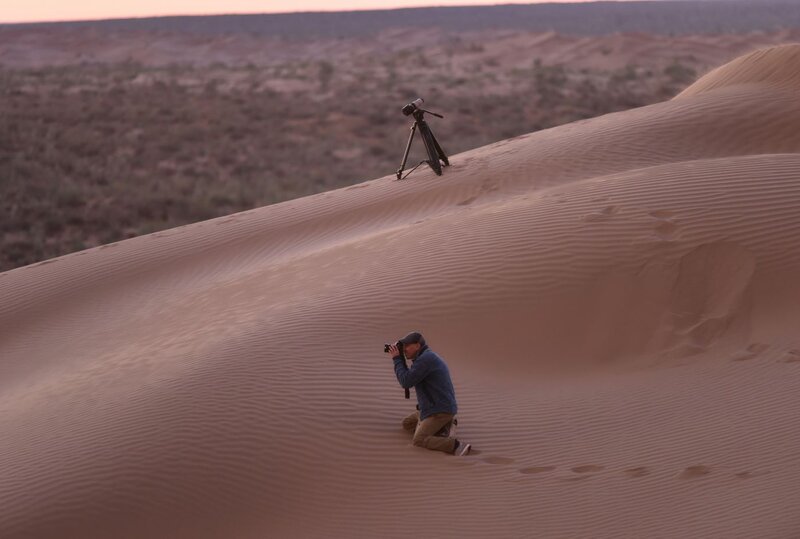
(436, 398)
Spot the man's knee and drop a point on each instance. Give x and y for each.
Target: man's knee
(419, 441)
(410, 422)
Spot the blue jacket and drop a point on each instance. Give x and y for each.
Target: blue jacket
(430, 379)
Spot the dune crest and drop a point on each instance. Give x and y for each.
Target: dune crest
(778, 66)
(616, 299)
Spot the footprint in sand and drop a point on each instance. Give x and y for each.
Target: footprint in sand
(665, 227)
(467, 201)
(584, 472)
(603, 214)
(792, 356)
(537, 469)
(751, 352)
(497, 460)
(693, 472)
(637, 472)
(749, 475)
(661, 214)
(588, 468)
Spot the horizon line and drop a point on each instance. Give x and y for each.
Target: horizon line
(318, 11)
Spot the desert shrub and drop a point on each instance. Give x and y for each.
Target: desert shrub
(626, 74)
(70, 197)
(679, 73)
(377, 150)
(221, 199)
(18, 251)
(325, 74)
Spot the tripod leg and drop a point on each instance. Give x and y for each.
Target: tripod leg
(440, 151)
(408, 147)
(433, 157)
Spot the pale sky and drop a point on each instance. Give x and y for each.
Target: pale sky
(62, 10)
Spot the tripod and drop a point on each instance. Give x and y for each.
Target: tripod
(435, 152)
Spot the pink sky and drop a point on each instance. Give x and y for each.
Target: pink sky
(59, 10)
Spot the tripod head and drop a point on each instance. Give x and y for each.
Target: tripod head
(419, 113)
(415, 108)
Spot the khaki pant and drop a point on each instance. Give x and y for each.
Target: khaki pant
(424, 431)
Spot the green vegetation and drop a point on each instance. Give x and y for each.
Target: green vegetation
(95, 153)
(679, 73)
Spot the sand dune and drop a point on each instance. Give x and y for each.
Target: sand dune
(616, 299)
(776, 66)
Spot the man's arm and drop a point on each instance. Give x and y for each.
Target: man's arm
(411, 377)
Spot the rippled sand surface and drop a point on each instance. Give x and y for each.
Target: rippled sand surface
(617, 300)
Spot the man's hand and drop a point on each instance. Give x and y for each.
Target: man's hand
(393, 351)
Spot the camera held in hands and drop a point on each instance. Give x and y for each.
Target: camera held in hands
(398, 344)
(387, 348)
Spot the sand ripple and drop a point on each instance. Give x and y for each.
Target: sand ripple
(617, 300)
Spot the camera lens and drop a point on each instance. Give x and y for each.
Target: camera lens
(411, 107)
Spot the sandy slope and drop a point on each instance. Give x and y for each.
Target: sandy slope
(617, 300)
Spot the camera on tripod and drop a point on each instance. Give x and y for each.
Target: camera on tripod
(436, 156)
(411, 107)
